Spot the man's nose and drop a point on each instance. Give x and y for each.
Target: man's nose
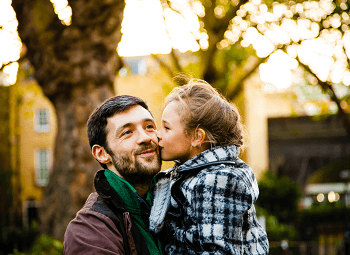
(144, 137)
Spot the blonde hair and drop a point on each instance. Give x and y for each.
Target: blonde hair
(203, 107)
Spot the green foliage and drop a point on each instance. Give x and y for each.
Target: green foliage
(322, 214)
(279, 196)
(44, 245)
(237, 55)
(230, 63)
(309, 92)
(275, 230)
(28, 241)
(331, 172)
(13, 238)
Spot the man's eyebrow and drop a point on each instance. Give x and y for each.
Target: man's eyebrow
(148, 119)
(129, 124)
(119, 129)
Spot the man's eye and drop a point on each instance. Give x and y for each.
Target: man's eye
(127, 132)
(150, 126)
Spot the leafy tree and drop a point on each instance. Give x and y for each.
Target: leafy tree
(290, 26)
(222, 62)
(75, 65)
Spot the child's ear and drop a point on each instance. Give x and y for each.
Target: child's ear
(100, 154)
(198, 137)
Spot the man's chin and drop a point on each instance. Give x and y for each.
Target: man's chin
(151, 167)
(153, 161)
(145, 173)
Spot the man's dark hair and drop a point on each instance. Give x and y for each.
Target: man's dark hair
(97, 123)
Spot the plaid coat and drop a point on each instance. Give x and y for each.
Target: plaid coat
(211, 207)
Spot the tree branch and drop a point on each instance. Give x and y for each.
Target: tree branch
(239, 84)
(328, 89)
(173, 56)
(7, 64)
(223, 23)
(162, 63)
(19, 61)
(176, 61)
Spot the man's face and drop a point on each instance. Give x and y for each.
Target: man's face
(133, 145)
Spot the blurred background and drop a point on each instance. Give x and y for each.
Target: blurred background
(284, 64)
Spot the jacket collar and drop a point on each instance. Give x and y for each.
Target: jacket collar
(106, 192)
(217, 155)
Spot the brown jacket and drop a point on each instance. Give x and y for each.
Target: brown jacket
(103, 226)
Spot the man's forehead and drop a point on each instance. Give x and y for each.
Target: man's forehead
(134, 114)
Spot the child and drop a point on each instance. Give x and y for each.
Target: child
(211, 206)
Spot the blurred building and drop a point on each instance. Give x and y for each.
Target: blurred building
(28, 144)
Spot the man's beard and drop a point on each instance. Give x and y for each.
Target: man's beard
(133, 170)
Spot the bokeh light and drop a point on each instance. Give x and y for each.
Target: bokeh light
(320, 197)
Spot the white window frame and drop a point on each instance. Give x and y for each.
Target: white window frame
(43, 164)
(42, 120)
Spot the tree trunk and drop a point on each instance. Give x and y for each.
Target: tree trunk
(71, 180)
(76, 67)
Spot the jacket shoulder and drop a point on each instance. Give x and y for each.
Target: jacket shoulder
(240, 176)
(93, 231)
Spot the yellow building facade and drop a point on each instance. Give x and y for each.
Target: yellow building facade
(32, 136)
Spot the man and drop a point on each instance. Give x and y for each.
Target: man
(114, 219)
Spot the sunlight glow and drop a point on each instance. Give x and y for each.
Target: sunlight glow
(179, 32)
(63, 11)
(11, 70)
(137, 38)
(278, 75)
(10, 44)
(144, 22)
(260, 43)
(146, 31)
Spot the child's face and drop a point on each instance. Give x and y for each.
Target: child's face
(173, 142)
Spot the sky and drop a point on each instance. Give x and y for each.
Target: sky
(146, 31)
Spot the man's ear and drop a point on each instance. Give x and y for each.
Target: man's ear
(198, 137)
(100, 154)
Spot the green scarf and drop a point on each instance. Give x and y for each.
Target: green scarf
(132, 204)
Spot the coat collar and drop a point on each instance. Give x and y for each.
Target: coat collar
(217, 155)
(106, 192)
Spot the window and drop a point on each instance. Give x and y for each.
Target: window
(30, 211)
(42, 166)
(42, 120)
(137, 65)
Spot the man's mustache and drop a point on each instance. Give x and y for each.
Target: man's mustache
(145, 147)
